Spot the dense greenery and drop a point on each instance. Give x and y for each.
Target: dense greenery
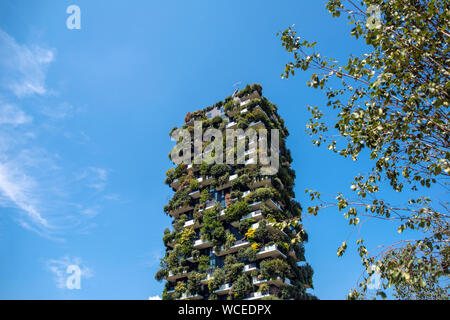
(213, 242)
(392, 103)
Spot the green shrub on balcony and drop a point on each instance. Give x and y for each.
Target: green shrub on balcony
(274, 268)
(161, 274)
(217, 280)
(233, 268)
(241, 287)
(194, 185)
(187, 241)
(194, 282)
(247, 254)
(180, 288)
(216, 121)
(203, 263)
(204, 169)
(236, 211)
(230, 239)
(205, 196)
(264, 287)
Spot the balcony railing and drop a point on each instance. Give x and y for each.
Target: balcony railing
(270, 251)
(202, 243)
(250, 267)
(257, 295)
(235, 247)
(185, 296)
(278, 281)
(271, 227)
(175, 276)
(225, 288)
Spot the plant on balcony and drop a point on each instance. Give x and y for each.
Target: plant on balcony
(168, 236)
(233, 268)
(186, 240)
(273, 268)
(204, 169)
(217, 280)
(194, 185)
(161, 274)
(230, 239)
(205, 196)
(264, 287)
(193, 283)
(203, 263)
(241, 287)
(262, 234)
(180, 288)
(236, 211)
(247, 254)
(212, 228)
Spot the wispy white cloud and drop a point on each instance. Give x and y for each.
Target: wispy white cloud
(95, 177)
(12, 115)
(59, 269)
(25, 66)
(154, 298)
(17, 188)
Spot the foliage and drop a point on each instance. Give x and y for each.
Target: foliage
(232, 268)
(241, 287)
(392, 102)
(217, 280)
(203, 263)
(236, 211)
(193, 282)
(273, 268)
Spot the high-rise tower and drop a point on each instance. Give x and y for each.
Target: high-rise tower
(236, 232)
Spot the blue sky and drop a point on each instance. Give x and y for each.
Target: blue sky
(84, 122)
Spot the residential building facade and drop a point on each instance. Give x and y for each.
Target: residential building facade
(236, 233)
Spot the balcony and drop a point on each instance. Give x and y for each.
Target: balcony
(253, 95)
(224, 289)
(270, 203)
(205, 180)
(209, 205)
(190, 223)
(196, 296)
(250, 161)
(257, 215)
(209, 276)
(175, 276)
(228, 183)
(262, 182)
(256, 125)
(243, 103)
(277, 282)
(270, 251)
(195, 194)
(234, 248)
(257, 296)
(175, 183)
(231, 125)
(201, 244)
(182, 209)
(271, 228)
(250, 267)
